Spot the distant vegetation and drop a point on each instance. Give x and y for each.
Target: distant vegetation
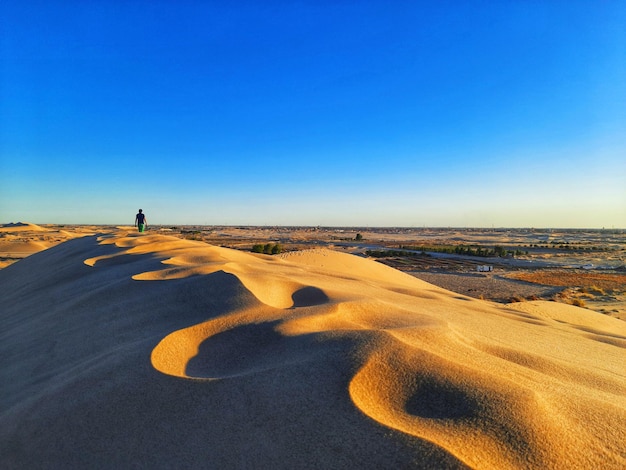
(497, 251)
(268, 248)
(191, 235)
(573, 246)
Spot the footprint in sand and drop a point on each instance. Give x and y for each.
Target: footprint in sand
(308, 297)
(247, 349)
(440, 400)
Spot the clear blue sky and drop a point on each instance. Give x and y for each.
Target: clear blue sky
(379, 113)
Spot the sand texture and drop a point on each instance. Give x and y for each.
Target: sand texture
(126, 350)
(20, 240)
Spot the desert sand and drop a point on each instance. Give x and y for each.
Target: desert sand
(21, 239)
(126, 350)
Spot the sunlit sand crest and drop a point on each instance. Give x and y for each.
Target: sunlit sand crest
(534, 385)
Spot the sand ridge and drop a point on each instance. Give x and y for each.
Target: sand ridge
(450, 381)
(20, 240)
(22, 227)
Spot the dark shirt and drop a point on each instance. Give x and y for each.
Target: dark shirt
(140, 218)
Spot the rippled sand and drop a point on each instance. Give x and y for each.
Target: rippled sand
(145, 350)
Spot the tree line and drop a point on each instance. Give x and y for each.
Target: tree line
(496, 251)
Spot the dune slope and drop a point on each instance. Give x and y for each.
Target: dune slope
(151, 351)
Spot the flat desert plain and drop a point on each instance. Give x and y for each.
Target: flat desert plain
(183, 348)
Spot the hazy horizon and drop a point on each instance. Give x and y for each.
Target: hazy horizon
(410, 114)
(337, 227)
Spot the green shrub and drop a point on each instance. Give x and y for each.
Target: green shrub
(268, 248)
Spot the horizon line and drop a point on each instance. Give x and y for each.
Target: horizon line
(365, 227)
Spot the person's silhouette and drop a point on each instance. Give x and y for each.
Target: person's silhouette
(140, 221)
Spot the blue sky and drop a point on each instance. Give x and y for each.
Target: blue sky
(367, 113)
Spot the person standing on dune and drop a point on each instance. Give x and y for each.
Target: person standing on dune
(140, 221)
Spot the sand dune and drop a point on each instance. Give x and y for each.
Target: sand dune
(19, 240)
(22, 246)
(21, 227)
(149, 351)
